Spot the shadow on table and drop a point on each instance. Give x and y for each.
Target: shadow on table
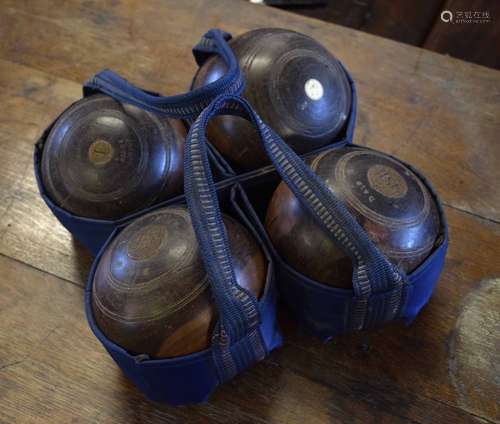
(82, 261)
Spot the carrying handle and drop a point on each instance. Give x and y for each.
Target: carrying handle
(182, 106)
(236, 340)
(373, 273)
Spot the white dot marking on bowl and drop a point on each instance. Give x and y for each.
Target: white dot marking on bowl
(314, 89)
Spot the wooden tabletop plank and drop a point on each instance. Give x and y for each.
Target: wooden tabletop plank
(439, 113)
(28, 231)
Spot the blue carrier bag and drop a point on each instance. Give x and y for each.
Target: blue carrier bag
(381, 292)
(246, 330)
(92, 233)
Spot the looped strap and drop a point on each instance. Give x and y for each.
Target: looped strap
(182, 106)
(236, 341)
(377, 283)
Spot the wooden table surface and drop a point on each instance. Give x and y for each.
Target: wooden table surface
(438, 113)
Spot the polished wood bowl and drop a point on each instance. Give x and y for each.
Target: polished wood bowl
(150, 292)
(386, 198)
(296, 86)
(105, 159)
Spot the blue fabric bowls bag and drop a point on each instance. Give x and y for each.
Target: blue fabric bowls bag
(93, 233)
(381, 291)
(246, 330)
(191, 378)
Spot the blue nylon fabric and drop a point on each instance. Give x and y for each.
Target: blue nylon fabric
(183, 106)
(92, 233)
(191, 378)
(422, 283)
(351, 123)
(326, 311)
(380, 290)
(236, 342)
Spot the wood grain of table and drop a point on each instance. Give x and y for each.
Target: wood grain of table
(438, 113)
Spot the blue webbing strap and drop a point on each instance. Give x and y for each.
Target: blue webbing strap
(236, 340)
(377, 283)
(182, 106)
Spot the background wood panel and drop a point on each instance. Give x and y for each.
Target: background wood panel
(404, 21)
(474, 42)
(438, 113)
(418, 23)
